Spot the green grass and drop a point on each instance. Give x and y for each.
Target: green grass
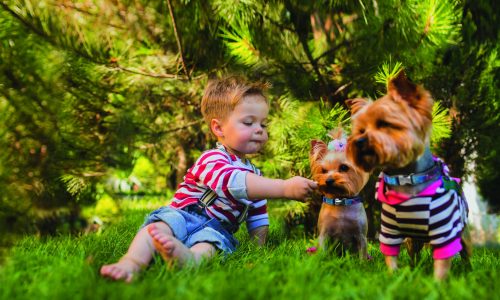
(67, 267)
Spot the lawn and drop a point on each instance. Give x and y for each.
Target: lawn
(66, 267)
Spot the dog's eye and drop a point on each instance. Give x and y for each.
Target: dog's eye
(343, 168)
(383, 124)
(323, 170)
(361, 131)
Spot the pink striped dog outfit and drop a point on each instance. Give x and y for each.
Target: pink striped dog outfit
(436, 215)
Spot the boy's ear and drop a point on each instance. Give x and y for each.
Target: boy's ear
(318, 150)
(216, 127)
(356, 104)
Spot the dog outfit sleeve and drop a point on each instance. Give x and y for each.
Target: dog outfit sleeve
(390, 237)
(448, 219)
(389, 250)
(447, 251)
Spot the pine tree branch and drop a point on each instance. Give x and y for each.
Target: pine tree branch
(36, 132)
(73, 7)
(170, 130)
(178, 39)
(275, 23)
(149, 27)
(31, 123)
(302, 35)
(45, 36)
(342, 87)
(20, 18)
(83, 11)
(331, 50)
(116, 66)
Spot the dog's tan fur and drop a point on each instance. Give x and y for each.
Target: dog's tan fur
(337, 177)
(393, 133)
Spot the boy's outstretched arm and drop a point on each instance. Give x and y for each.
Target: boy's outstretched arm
(297, 188)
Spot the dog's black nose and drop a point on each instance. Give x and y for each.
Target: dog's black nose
(361, 142)
(330, 181)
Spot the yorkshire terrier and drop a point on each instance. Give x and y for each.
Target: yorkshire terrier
(419, 199)
(342, 218)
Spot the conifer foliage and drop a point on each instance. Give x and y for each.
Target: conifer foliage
(87, 87)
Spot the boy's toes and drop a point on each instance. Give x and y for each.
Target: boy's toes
(169, 247)
(127, 276)
(163, 245)
(115, 273)
(123, 270)
(107, 271)
(152, 229)
(119, 274)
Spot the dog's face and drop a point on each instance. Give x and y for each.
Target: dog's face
(392, 131)
(335, 174)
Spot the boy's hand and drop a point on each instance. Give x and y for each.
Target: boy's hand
(299, 188)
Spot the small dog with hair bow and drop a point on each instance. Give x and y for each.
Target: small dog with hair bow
(342, 218)
(419, 199)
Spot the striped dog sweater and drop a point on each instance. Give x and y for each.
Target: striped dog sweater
(436, 215)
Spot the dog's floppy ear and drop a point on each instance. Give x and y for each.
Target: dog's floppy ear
(318, 150)
(356, 104)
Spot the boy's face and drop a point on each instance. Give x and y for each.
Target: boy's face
(244, 130)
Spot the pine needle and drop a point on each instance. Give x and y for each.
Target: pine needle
(388, 72)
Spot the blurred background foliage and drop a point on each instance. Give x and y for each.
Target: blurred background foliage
(101, 97)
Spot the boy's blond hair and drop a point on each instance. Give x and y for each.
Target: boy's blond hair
(222, 95)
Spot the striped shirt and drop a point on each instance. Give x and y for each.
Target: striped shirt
(436, 215)
(225, 174)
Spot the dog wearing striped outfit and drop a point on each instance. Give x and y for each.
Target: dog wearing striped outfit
(419, 199)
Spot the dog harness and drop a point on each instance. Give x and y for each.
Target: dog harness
(436, 215)
(342, 201)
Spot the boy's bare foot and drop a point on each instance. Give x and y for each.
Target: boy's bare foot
(170, 248)
(124, 269)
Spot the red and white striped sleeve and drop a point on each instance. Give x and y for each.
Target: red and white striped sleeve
(214, 170)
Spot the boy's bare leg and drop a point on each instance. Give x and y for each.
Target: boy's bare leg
(173, 250)
(202, 251)
(138, 256)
